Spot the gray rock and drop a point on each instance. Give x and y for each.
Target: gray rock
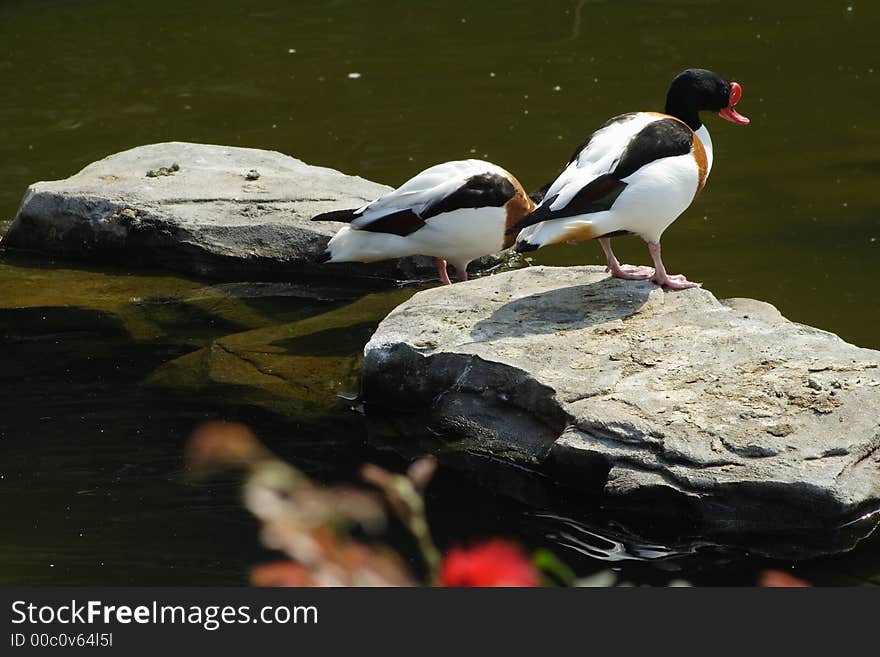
(202, 209)
(667, 406)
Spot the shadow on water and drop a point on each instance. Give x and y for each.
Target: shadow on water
(340, 341)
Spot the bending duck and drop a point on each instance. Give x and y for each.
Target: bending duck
(635, 175)
(455, 212)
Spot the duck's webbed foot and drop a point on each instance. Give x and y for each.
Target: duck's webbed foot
(674, 281)
(617, 270)
(660, 277)
(629, 272)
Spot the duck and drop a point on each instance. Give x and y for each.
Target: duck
(636, 174)
(454, 212)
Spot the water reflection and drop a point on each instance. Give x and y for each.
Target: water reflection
(606, 547)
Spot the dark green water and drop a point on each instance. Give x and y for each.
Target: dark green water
(93, 417)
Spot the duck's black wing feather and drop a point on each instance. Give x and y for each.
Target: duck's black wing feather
(344, 216)
(597, 195)
(480, 191)
(660, 139)
(402, 222)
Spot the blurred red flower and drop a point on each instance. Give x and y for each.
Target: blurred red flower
(493, 563)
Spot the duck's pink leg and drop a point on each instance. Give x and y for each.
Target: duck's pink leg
(441, 269)
(660, 277)
(462, 274)
(628, 272)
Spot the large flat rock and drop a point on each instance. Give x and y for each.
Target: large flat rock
(210, 215)
(665, 405)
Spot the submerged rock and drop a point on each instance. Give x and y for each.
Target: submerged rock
(302, 369)
(200, 209)
(722, 415)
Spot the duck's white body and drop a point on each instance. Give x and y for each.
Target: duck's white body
(636, 174)
(455, 211)
(653, 196)
(457, 237)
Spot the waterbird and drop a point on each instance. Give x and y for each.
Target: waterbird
(635, 175)
(455, 211)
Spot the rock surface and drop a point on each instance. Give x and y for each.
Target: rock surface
(722, 414)
(201, 209)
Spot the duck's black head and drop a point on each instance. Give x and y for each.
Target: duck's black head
(696, 90)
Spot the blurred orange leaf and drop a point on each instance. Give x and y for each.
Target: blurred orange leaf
(219, 446)
(281, 573)
(778, 578)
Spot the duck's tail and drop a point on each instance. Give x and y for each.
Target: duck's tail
(349, 245)
(545, 233)
(344, 216)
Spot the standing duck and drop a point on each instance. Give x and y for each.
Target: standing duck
(635, 175)
(455, 212)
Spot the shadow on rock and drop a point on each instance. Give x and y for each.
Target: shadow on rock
(565, 308)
